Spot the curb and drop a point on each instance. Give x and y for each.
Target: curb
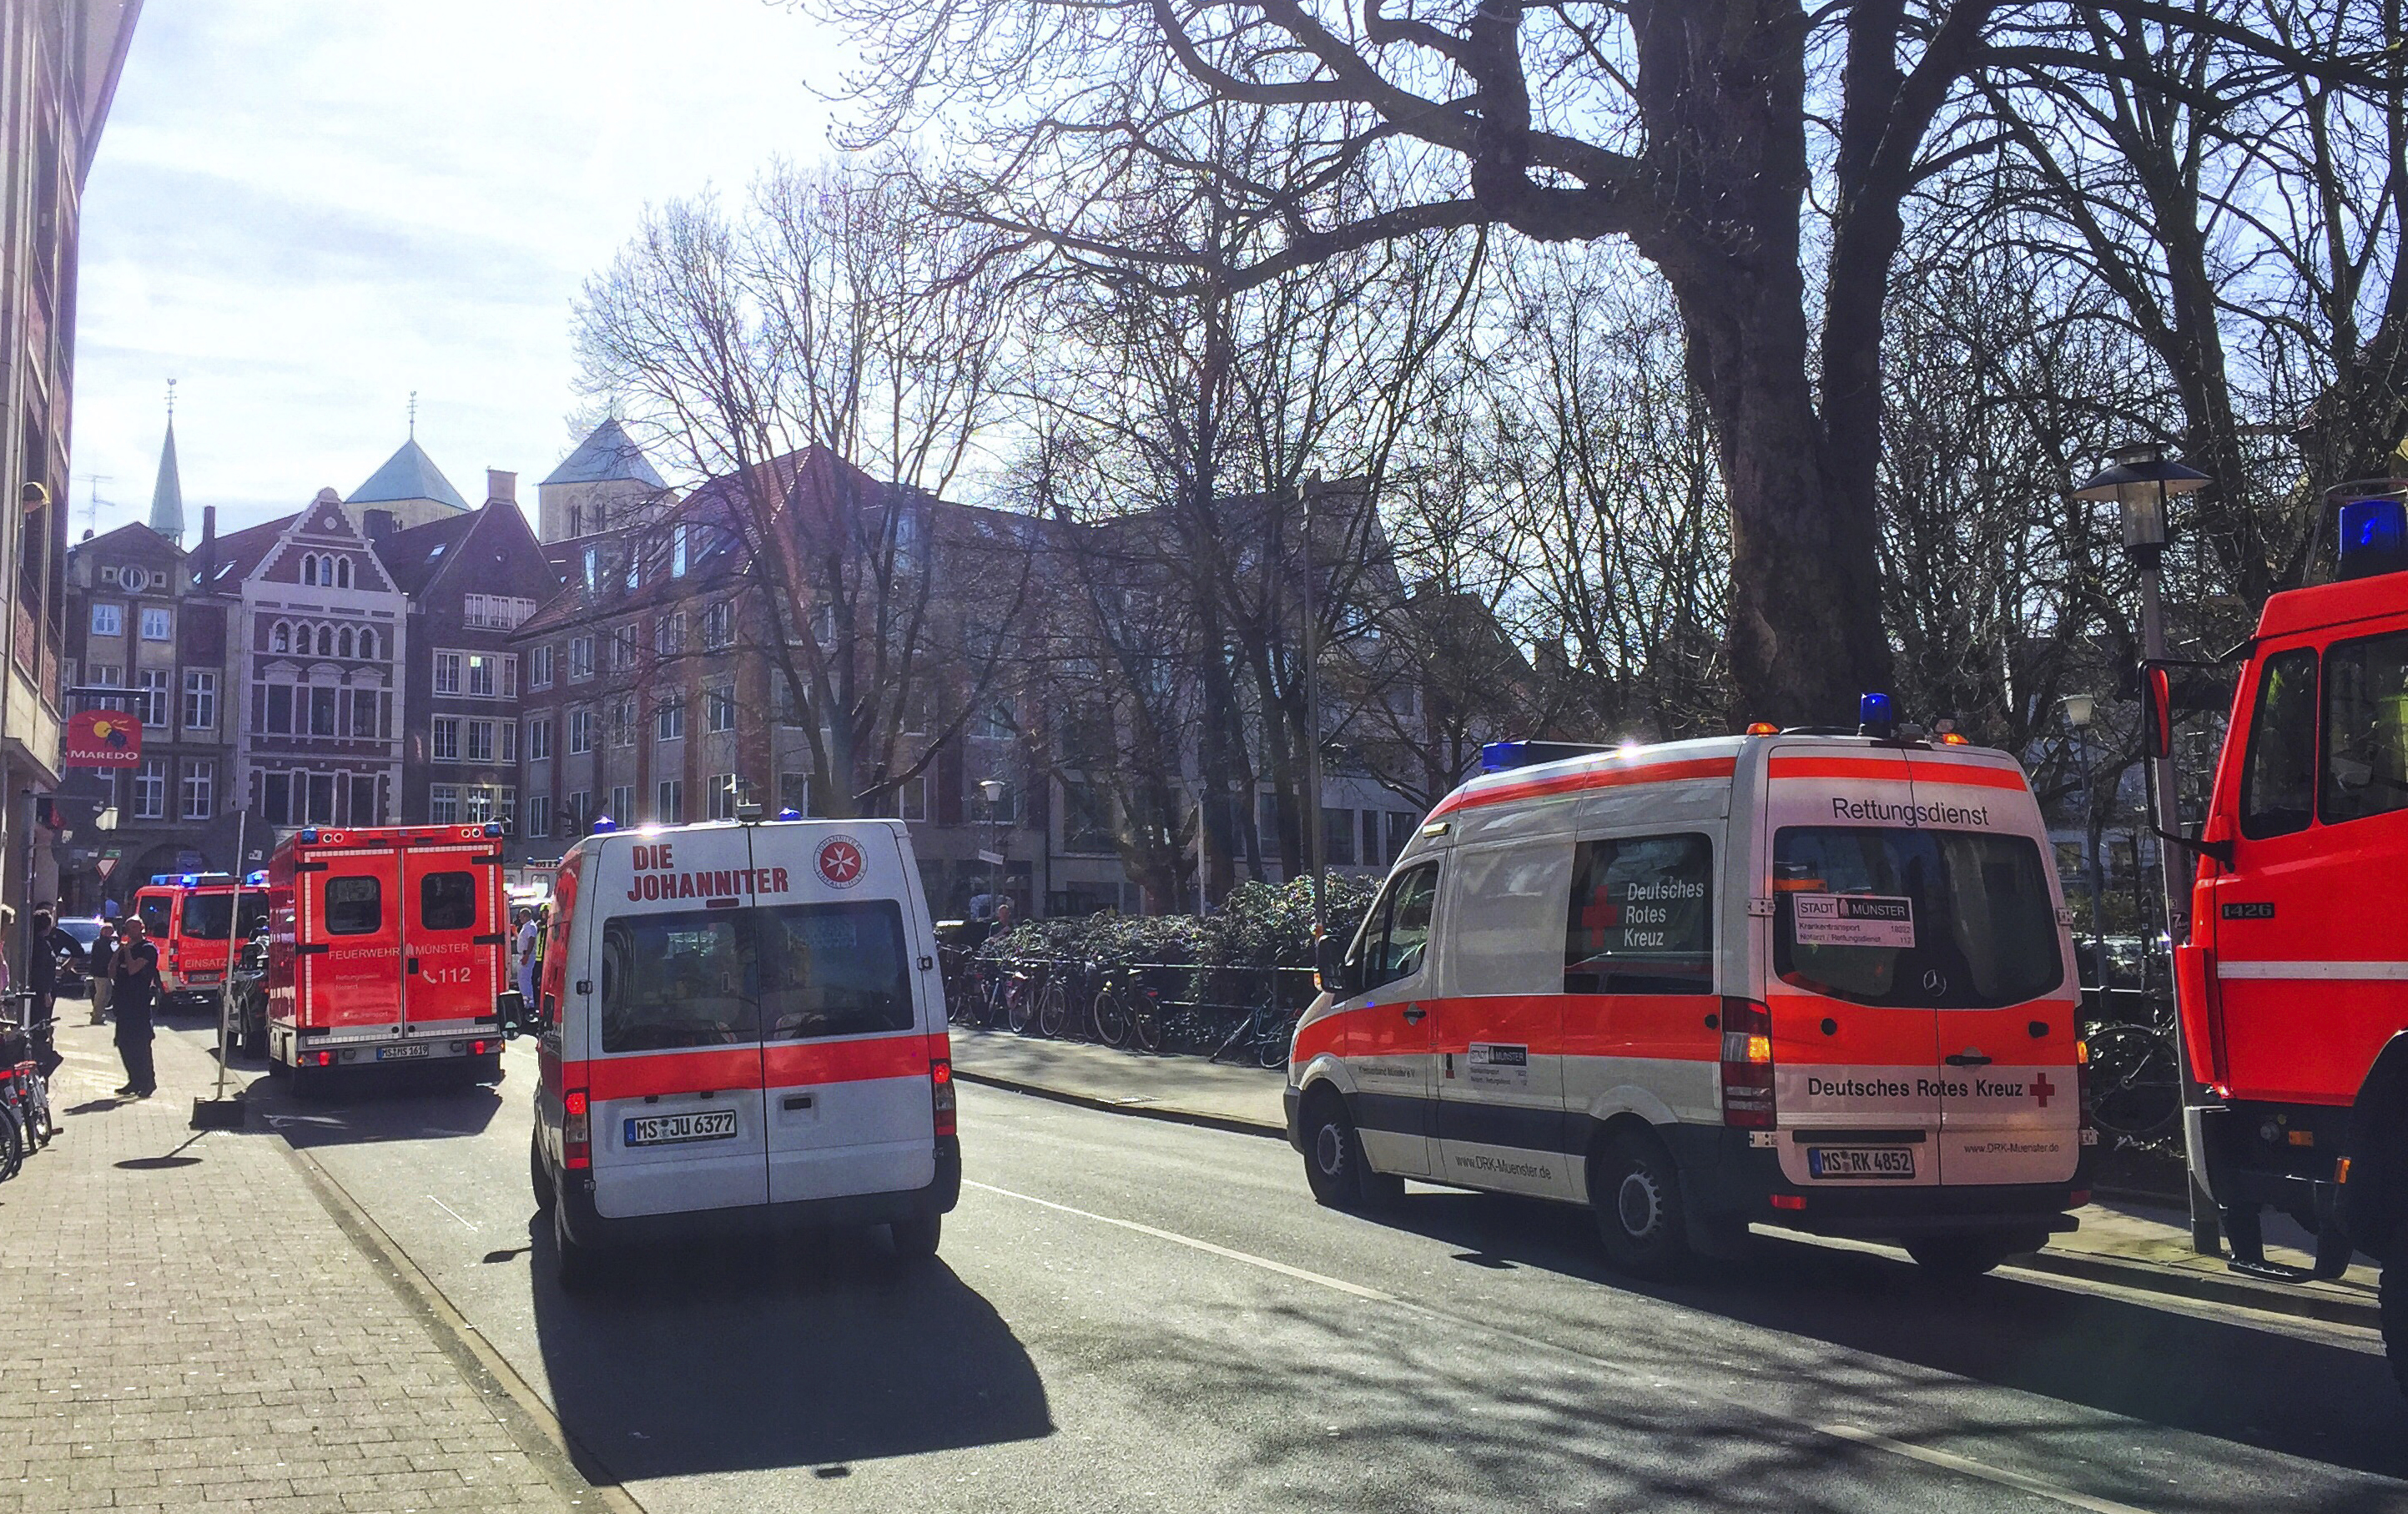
(2206, 1288)
(1171, 1114)
(2088, 1267)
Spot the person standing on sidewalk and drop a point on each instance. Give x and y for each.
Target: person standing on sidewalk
(137, 971)
(529, 932)
(42, 976)
(103, 951)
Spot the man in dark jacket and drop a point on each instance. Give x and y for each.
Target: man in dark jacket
(42, 976)
(136, 972)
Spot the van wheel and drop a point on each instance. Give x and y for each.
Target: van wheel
(577, 1266)
(915, 1240)
(1636, 1190)
(1962, 1256)
(1333, 1160)
(539, 1177)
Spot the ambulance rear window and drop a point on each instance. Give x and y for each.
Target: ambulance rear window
(832, 969)
(677, 979)
(354, 906)
(1929, 918)
(447, 901)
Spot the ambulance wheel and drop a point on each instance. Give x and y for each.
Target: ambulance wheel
(915, 1240)
(1333, 1159)
(577, 1267)
(539, 1177)
(1635, 1191)
(1962, 1256)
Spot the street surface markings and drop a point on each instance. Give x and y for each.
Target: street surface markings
(1336, 1284)
(447, 1210)
(1978, 1469)
(1946, 1460)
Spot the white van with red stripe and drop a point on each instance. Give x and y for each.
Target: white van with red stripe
(1809, 980)
(742, 1028)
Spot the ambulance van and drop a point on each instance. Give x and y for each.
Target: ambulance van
(742, 1029)
(1817, 981)
(188, 915)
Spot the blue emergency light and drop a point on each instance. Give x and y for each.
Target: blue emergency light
(604, 825)
(1504, 756)
(257, 879)
(1873, 716)
(2373, 536)
(790, 812)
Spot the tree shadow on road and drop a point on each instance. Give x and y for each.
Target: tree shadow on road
(809, 1351)
(2301, 1393)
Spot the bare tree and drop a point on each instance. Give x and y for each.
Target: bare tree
(829, 359)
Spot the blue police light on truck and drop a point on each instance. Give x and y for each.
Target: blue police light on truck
(2373, 536)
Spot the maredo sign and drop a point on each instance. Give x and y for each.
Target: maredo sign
(102, 738)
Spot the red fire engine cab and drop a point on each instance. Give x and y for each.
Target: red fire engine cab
(2293, 986)
(388, 944)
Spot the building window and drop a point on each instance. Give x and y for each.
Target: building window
(912, 798)
(677, 552)
(539, 667)
(593, 569)
(200, 789)
(200, 701)
(669, 809)
(364, 706)
(539, 739)
(271, 709)
(575, 811)
(623, 803)
(718, 627)
(719, 706)
(623, 648)
(447, 672)
(669, 719)
(668, 633)
(346, 646)
(487, 802)
(321, 712)
(156, 686)
(623, 720)
(443, 803)
(481, 741)
(823, 625)
(721, 796)
(107, 620)
(496, 612)
(369, 644)
(342, 573)
(538, 821)
(155, 625)
(795, 792)
(108, 676)
(580, 730)
(1338, 836)
(325, 641)
(580, 659)
(482, 675)
(443, 743)
(151, 789)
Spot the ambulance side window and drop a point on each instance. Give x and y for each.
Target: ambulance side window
(1641, 917)
(1395, 934)
(447, 901)
(2278, 782)
(354, 906)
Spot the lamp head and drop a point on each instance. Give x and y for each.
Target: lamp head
(2139, 478)
(2080, 709)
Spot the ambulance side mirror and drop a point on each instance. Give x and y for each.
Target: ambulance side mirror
(2157, 711)
(510, 1006)
(1329, 964)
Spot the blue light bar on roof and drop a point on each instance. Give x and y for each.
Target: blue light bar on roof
(1504, 756)
(2373, 536)
(604, 825)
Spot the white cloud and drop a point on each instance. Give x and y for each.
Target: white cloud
(305, 211)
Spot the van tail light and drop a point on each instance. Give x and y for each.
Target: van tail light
(1747, 1064)
(940, 1095)
(2082, 1082)
(575, 1130)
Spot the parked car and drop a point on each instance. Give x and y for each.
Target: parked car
(74, 979)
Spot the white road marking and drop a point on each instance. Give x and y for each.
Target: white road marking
(1983, 1470)
(447, 1210)
(1336, 1284)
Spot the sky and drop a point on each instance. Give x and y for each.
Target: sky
(304, 211)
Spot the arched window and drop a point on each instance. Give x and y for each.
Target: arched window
(369, 644)
(346, 646)
(279, 638)
(325, 641)
(342, 573)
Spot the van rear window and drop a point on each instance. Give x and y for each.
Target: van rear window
(354, 906)
(447, 901)
(672, 980)
(1933, 919)
(832, 969)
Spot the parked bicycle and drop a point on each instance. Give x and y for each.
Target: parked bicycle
(1263, 1037)
(1127, 1012)
(1064, 989)
(2135, 1081)
(26, 1122)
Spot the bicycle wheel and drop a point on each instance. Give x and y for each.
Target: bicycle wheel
(1110, 1017)
(1279, 1033)
(1018, 1007)
(12, 1141)
(1054, 1010)
(1145, 1026)
(44, 1124)
(2134, 1088)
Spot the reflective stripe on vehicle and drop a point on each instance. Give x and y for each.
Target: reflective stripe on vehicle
(1595, 778)
(2329, 971)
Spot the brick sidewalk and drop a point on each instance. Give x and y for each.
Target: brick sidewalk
(183, 1325)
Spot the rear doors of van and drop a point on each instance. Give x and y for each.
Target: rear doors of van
(761, 1029)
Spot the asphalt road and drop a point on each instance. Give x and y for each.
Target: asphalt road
(1133, 1315)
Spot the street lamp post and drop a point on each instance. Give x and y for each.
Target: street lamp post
(2079, 711)
(991, 790)
(2141, 480)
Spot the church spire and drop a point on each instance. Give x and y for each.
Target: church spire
(167, 494)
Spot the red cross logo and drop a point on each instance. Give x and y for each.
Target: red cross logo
(840, 862)
(2042, 1087)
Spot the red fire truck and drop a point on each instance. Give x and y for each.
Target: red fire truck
(2293, 987)
(388, 944)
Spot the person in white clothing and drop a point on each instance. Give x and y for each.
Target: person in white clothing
(526, 957)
